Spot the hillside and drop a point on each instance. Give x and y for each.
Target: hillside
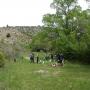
(21, 34)
(13, 40)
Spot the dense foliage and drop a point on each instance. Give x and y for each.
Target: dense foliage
(67, 31)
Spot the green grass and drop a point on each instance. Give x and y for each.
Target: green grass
(25, 76)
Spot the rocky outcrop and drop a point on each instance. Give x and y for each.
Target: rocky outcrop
(21, 34)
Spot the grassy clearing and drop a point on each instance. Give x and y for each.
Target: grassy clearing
(25, 76)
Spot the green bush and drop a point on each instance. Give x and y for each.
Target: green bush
(1, 60)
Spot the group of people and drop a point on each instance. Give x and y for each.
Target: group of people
(32, 58)
(59, 58)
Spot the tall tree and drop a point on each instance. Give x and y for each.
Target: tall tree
(68, 29)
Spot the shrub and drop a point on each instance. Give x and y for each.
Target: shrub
(1, 60)
(8, 35)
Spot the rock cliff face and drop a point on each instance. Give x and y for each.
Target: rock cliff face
(14, 40)
(22, 34)
(29, 30)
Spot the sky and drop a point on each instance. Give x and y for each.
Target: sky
(25, 12)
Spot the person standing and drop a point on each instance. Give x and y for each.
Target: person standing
(32, 57)
(59, 58)
(37, 59)
(51, 57)
(62, 59)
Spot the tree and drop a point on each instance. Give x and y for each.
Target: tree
(67, 30)
(63, 8)
(88, 2)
